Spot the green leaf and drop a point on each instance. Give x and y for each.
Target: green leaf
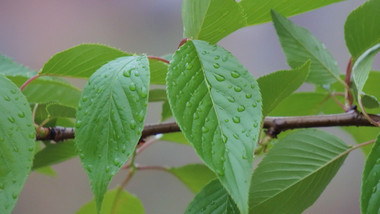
(277, 86)
(362, 67)
(301, 104)
(157, 95)
(10, 68)
(217, 105)
(57, 110)
(370, 101)
(175, 137)
(258, 11)
(80, 61)
(113, 105)
(214, 199)
(300, 45)
(296, 171)
(212, 20)
(361, 29)
(194, 176)
(166, 112)
(370, 192)
(158, 71)
(372, 86)
(54, 153)
(17, 136)
(47, 170)
(126, 203)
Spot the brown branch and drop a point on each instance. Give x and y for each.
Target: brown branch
(274, 125)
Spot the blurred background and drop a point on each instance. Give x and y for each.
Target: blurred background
(32, 31)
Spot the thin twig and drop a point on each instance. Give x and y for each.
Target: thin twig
(347, 80)
(28, 81)
(159, 59)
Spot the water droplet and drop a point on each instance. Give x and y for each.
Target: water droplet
(99, 90)
(207, 119)
(31, 149)
(204, 129)
(14, 195)
(248, 96)
(132, 87)
(225, 58)
(235, 74)
(217, 57)
(21, 114)
(136, 73)
(216, 65)
(6, 98)
(236, 119)
(15, 149)
(237, 89)
(189, 66)
(13, 91)
(255, 124)
(144, 92)
(89, 168)
(253, 86)
(219, 77)
(204, 52)
(84, 99)
(241, 108)
(226, 120)
(188, 104)
(196, 116)
(78, 124)
(32, 135)
(107, 169)
(222, 158)
(231, 99)
(236, 136)
(11, 119)
(116, 162)
(244, 157)
(220, 172)
(254, 105)
(140, 117)
(79, 107)
(127, 73)
(224, 138)
(133, 124)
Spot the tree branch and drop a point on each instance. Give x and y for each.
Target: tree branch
(273, 125)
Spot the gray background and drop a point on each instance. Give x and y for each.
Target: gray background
(32, 31)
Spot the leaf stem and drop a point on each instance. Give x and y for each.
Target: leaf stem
(183, 41)
(159, 59)
(347, 80)
(29, 81)
(124, 183)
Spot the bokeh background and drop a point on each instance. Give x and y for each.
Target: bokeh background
(32, 31)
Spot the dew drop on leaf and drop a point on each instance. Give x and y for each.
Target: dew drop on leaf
(127, 73)
(237, 89)
(225, 58)
(11, 119)
(189, 66)
(217, 57)
(231, 99)
(204, 129)
(241, 108)
(235, 74)
(236, 119)
(133, 124)
(132, 87)
(14, 195)
(21, 114)
(219, 77)
(216, 65)
(6, 98)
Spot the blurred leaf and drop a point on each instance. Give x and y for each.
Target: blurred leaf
(17, 146)
(295, 172)
(54, 153)
(47, 170)
(361, 29)
(362, 67)
(221, 122)
(300, 45)
(276, 86)
(194, 176)
(126, 203)
(370, 192)
(363, 134)
(10, 68)
(166, 112)
(80, 61)
(175, 137)
(157, 95)
(113, 105)
(212, 20)
(214, 199)
(158, 71)
(370, 101)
